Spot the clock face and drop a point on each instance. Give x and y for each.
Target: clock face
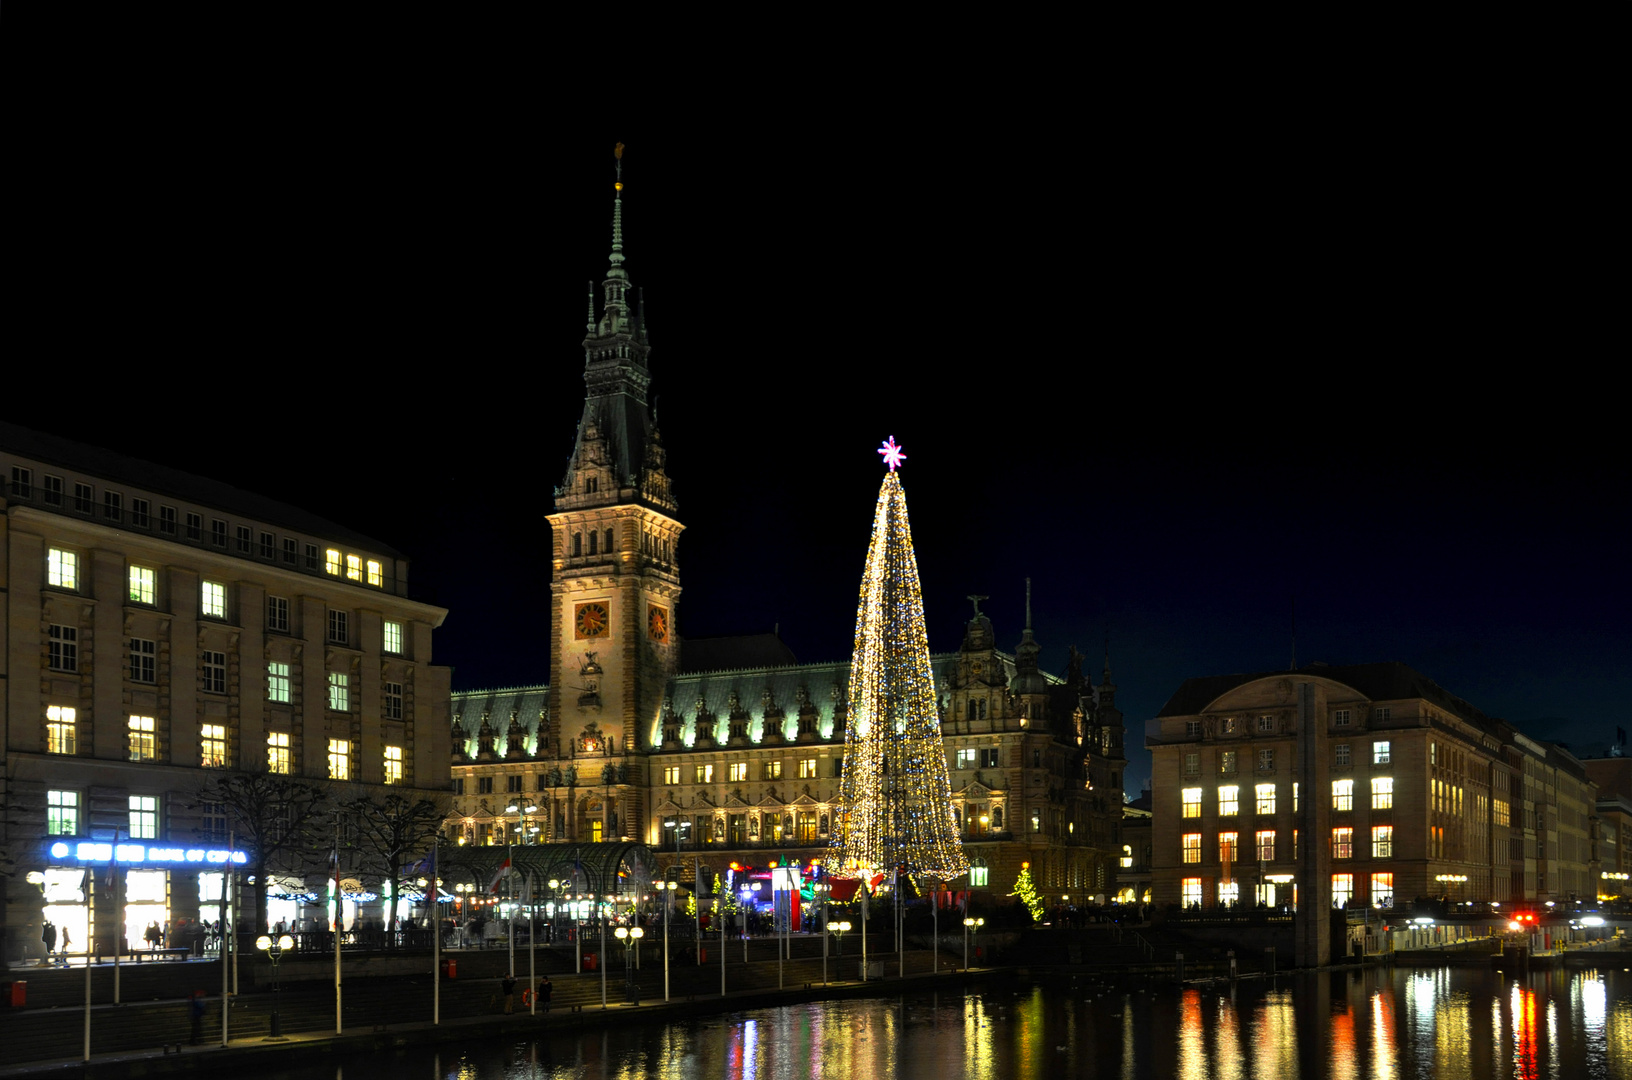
(657, 623)
(590, 620)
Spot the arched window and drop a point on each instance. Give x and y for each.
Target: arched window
(606, 544)
(577, 544)
(997, 819)
(592, 538)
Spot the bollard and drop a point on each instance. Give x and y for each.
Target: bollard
(1179, 957)
(1231, 955)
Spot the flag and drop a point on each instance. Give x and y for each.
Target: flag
(578, 872)
(527, 889)
(425, 866)
(499, 875)
(874, 881)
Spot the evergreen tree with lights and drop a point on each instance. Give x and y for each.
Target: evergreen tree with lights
(1026, 890)
(895, 801)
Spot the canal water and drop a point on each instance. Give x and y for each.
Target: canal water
(1387, 1024)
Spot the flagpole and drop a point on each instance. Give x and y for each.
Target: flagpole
(339, 916)
(511, 921)
(601, 960)
(436, 935)
(532, 945)
(226, 916)
(866, 902)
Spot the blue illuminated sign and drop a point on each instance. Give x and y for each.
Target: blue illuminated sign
(133, 854)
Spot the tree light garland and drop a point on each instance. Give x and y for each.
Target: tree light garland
(895, 802)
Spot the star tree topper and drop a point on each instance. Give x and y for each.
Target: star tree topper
(893, 457)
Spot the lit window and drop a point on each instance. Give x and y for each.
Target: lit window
(807, 768)
(1127, 856)
(1037, 826)
(213, 744)
(62, 569)
(144, 817)
(142, 739)
(141, 585)
(1192, 892)
(64, 648)
(1265, 843)
(376, 576)
(1342, 794)
(967, 759)
(1382, 890)
(1382, 841)
(1294, 796)
(61, 813)
(1382, 793)
(354, 568)
(277, 682)
(393, 701)
(1266, 761)
(393, 764)
(1343, 755)
(1226, 762)
(1228, 850)
(1229, 801)
(59, 730)
(331, 562)
(671, 774)
(277, 753)
(1192, 801)
(738, 771)
(1343, 843)
(1229, 892)
(1227, 726)
(1266, 798)
(213, 600)
(1380, 752)
(393, 637)
(339, 759)
(980, 875)
(773, 770)
(339, 692)
(277, 614)
(1342, 890)
(339, 626)
(213, 671)
(705, 774)
(1192, 847)
(1503, 817)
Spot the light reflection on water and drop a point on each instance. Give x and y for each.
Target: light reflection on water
(1380, 1024)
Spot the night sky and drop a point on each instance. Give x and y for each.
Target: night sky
(1183, 361)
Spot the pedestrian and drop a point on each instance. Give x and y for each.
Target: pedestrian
(151, 936)
(195, 1012)
(48, 938)
(545, 989)
(65, 944)
(509, 987)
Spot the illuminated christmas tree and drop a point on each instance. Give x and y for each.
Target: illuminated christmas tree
(895, 801)
(1026, 890)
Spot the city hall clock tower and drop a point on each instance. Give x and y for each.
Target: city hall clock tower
(616, 581)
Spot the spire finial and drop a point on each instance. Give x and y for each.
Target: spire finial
(1028, 603)
(591, 326)
(617, 218)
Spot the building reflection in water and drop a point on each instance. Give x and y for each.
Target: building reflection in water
(1275, 1036)
(1192, 1041)
(1383, 1046)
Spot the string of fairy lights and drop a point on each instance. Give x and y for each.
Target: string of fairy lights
(895, 799)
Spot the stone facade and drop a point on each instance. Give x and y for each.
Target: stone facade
(1366, 784)
(162, 628)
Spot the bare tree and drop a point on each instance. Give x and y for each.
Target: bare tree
(276, 820)
(391, 831)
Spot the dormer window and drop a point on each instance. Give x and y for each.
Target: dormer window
(592, 484)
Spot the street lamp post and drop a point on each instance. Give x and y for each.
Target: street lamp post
(968, 925)
(631, 988)
(273, 948)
